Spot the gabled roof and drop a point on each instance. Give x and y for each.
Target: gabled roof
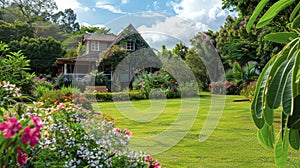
(129, 30)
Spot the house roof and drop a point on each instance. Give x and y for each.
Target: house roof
(129, 30)
(99, 37)
(85, 58)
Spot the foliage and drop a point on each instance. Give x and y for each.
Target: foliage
(32, 10)
(180, 50)
(14, 31)
(111, 58)
(20, 131)
(277, 84)
(146, 82)
(42, 52)
(114, 96)
(14, 67)
(7, 93)
(244, 74)
(227, 87)
(49, 29)
(55, 97)
(66, 20)
(91, 30)
(249, 90)
(235, 44)
(198, 68)
(96, 78)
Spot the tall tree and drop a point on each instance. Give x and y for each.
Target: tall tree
(35, 10)
(14, 31)
(66, 20)
(42, 52)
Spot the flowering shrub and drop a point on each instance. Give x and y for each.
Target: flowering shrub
(55, 97)
(145, 82)
(227, 87)
(62, 133)
(7, 93)
(249, 90)
(17, 137)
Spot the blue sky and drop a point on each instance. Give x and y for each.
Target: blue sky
(157, 20)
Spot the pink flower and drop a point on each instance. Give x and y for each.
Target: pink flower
(156, 165)
(128, 133)
(21, 157)
(60, 106)
(143, 83)
(31, 135)
(10, 127)
(116, 130)
(148, 158)
(37, 121)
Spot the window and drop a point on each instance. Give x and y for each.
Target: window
(130, 46)
(95, 45)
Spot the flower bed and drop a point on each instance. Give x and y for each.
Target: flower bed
(58, 131)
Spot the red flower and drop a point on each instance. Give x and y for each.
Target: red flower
(37, 121)
(22, 157)
(10, 127)
(55, 100)
(31, 135)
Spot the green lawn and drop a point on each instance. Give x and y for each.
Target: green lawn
(232, 144)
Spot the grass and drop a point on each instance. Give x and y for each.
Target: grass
(232, 144)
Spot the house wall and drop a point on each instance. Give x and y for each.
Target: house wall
(101, 46)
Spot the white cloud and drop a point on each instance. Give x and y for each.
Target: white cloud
(124, 1)
(109, 6)
(170, 32)
(156, 5)
(73, 4)
(89, 25)
(205, 12)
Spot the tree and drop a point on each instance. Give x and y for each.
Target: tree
(49, 29)
(35, 10)
(66, 20)
(278, 83)
(14, 31)
(235, 44)
(42, 52)
(198, 68)
(180, 50)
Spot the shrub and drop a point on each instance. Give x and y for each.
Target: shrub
(249, 90)
(14, 68)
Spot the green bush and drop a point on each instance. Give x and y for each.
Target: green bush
(14, 68)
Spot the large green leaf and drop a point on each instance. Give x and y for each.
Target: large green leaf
(281, 151)
(294, 120)
(255, 14)
(294, 138)
(258, 101)
(266, 136)
(277, 84)
(273, 11)
(296, 22)
(281, 37)
(295, 11)
(296, 86)
(268, 115)
(287, 97)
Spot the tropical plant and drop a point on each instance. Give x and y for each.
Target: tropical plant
(277, 84)
(14, 68)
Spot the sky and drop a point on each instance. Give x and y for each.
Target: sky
(159, 21)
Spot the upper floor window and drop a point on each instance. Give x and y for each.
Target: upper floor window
(130, 46)
(95, 46)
